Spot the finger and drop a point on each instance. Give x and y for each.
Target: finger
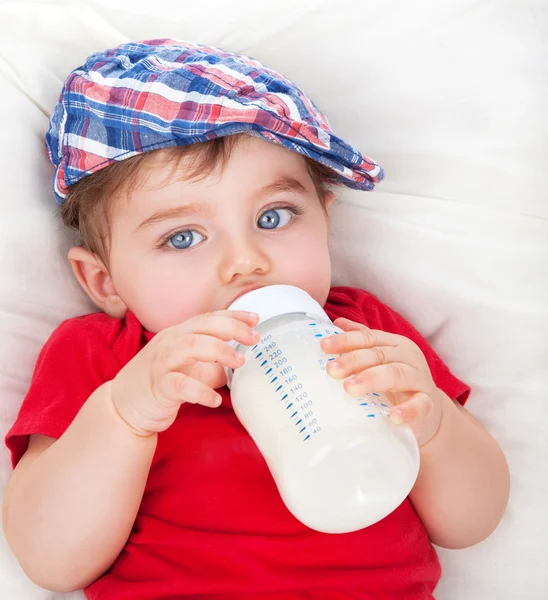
(351, 363)
(393, 377)
(242, 315)
(211, 374)
(359, 337)
(180, 387)
(223, 326)
(193, 347)
(418, 407)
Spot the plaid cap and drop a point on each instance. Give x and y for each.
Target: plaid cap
(159, 93)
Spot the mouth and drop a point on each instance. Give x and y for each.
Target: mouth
(243, 291)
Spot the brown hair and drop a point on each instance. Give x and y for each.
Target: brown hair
(87, 208)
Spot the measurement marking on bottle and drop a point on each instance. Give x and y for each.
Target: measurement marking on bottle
(378, 411)
(285, 381)
(375, 394)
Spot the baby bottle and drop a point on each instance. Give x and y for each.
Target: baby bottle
(339, 462)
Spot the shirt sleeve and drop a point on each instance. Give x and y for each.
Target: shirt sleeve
(368, 309)
(75, 361)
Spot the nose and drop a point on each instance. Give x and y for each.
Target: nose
(242, 256)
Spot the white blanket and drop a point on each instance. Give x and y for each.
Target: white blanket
(450, 97)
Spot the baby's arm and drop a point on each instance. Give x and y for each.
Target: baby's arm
(463, 485)
(71, 502)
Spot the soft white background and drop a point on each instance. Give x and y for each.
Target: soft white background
(450, 97)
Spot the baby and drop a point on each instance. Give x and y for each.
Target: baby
(194, 175)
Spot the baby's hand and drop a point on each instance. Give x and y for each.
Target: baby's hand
(376, 361)
(180, 364)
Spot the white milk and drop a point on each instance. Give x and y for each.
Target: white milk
(339, 462)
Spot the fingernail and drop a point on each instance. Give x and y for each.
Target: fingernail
(397, 415)
(351, 381)
(218, 401)
(239, 357)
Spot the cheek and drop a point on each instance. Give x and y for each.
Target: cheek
(306, 264)
(162, 295)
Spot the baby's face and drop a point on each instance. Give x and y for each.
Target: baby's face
(183, 248)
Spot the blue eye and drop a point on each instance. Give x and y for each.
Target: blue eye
(274, 218)
(184, 239)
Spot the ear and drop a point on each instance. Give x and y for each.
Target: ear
(96, 281)
(329, 197)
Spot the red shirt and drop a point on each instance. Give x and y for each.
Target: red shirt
(212, 525)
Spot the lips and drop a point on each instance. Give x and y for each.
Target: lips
(245, 290)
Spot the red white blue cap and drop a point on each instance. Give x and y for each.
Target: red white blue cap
(156, 94)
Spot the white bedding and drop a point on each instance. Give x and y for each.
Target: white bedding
(450, 97)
